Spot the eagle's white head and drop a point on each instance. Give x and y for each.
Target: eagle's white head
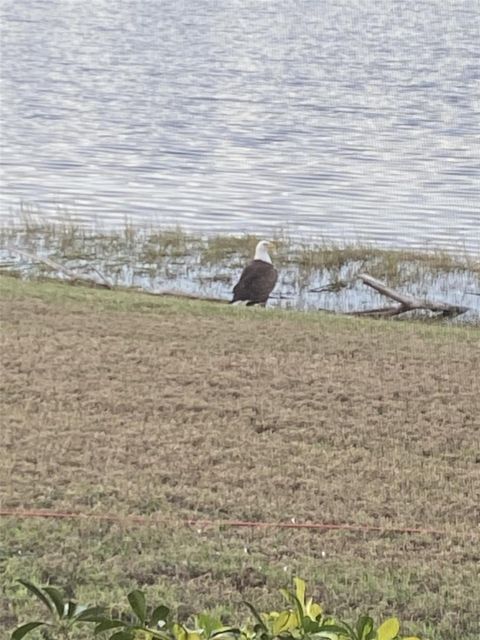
(261, 251)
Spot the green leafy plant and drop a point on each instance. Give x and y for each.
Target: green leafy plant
(64, 615)
(302, 619)
(305, 619)
(141, 625)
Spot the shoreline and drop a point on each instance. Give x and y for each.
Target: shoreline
(315, 276)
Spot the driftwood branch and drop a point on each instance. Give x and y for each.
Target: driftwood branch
(406, 302)
(73, 277)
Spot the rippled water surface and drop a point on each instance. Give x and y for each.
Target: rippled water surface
(336, 118)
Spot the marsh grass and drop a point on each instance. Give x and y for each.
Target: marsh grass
(152, 245)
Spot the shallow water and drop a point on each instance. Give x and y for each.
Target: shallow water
(345, 120)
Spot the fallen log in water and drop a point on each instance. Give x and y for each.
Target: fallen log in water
(406, 302)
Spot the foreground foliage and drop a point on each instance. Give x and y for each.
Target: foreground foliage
(301, 619)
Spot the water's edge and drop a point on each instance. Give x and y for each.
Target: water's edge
(209, 266)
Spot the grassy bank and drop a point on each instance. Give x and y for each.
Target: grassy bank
(129, 404)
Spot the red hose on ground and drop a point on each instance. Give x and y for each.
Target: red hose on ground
(136, 519)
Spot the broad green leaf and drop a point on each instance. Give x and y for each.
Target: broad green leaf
(331, 628)
(388, 630)
(137, 602)
(291, 597)
(312, 609)
(331, 632)
(123, 635)
(299, 606)
(24, 629)
(179, 632)
(38, 593)
(349, 632)
(92, 614)
(341, 628)
(281, 622)
(310, 626)
(316, 610)
(364, 627)
(159, 613)
(106, 625)
(300, 591)
(72, 608)
(57, 599)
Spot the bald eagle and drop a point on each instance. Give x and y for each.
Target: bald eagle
(257, 280)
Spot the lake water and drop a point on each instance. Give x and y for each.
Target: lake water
(339, 119)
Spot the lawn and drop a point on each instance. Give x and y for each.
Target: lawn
(128, 404)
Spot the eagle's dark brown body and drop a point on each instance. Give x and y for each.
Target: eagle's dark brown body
(256, 283)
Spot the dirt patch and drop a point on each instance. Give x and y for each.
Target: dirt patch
(229, 414)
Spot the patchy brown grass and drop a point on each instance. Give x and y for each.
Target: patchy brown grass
(123, 403)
